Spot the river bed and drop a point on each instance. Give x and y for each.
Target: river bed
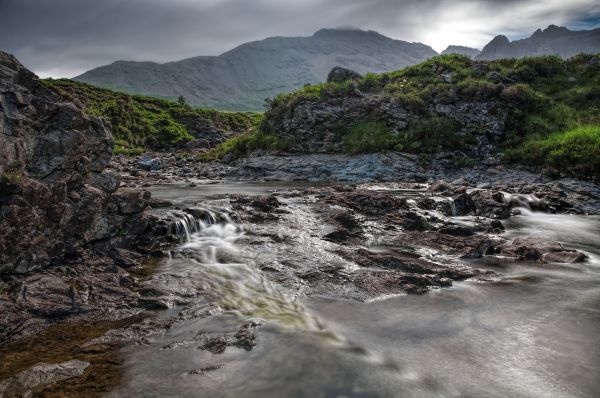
(531, 332)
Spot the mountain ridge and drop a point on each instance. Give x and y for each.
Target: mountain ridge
(243, 77)
(554, 40)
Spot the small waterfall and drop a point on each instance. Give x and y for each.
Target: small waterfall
(208, 260)
(445, 205)
(184, 226)
(452, 207)
(527, 201)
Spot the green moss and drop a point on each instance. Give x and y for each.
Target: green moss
(11, 178)
(140, 123)
(575, 152)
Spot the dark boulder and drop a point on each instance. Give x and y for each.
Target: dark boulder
(340, 75)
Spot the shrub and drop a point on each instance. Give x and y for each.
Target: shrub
(368, 136)
(242, 145)
(437, 133)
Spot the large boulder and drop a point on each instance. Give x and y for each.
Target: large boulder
(54, 197)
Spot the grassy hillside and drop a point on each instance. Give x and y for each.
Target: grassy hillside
(140, 123)
(551, 104)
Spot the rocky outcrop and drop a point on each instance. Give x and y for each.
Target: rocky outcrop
(55, 199)
(310, 124)
(340, 75)
(67, 228)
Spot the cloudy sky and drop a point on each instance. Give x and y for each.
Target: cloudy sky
(63, 38)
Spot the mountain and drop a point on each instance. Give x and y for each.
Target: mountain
(554, 40)
(462, 50)
(242, 78)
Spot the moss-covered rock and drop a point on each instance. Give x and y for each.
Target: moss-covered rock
(139, 123)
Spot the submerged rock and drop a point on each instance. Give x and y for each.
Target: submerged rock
(532, 248)
(42, 374)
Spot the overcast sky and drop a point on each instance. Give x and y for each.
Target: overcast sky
(63, 38)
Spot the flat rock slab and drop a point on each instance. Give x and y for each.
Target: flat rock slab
(40, 375)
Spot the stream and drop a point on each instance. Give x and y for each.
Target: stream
(532, 332)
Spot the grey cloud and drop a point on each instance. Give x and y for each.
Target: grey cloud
(67, 37)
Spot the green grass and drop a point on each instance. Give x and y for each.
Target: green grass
(542, 98)
(431, 135)
(242, 145)
(575, 152)
(367, 137)
(426, 136)
(140, 123)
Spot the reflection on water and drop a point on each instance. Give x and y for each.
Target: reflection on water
(534, 333)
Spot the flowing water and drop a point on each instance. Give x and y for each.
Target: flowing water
(535, 332)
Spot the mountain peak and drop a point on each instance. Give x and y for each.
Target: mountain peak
(344, 31)
(555, 40)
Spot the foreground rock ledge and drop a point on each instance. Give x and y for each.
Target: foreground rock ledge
(67, 229)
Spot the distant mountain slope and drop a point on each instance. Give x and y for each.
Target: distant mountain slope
(553, 40)
(462, 50)
(242, 78)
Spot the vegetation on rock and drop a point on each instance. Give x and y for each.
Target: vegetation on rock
(140, 123)
(529, 102)
(575, 152)
(242, 145)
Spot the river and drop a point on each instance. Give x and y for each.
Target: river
(532, 332)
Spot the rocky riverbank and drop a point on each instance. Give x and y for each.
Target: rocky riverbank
(69, 230)
(83, 241)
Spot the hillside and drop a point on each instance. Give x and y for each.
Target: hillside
(542, 112)
(242, 78)
(140, 123)
(554, 40)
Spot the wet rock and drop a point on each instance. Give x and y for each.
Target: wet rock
(440, 186)
(369, 202)
(532, 248)
(409, 262)
(464, 205)
(408, 220)
(462, 246)
(206, 369)
(340, 235)
(48, 296)
(105, 181)
(147, 163)
(569, 257)
(497, 225)
(345, 219)
(244, 338)
(266, 203)
(131, 200)
(157, 203)
(490, 204)
(457, 230)
(42, 374)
